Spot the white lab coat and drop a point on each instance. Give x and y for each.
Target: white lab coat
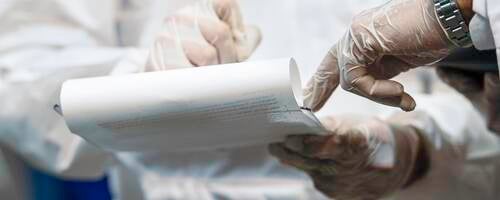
(34, 67)
(46, 42)
(485, 25)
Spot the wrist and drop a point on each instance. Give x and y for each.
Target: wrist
(466, 9)
(422, 159)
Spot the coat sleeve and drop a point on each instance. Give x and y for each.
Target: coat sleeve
(450, 124)
(31, 128)
(485, 25)
(463, 154)
(494, 17)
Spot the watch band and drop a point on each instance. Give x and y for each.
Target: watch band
(453, 22)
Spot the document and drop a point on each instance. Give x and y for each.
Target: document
(200, 108)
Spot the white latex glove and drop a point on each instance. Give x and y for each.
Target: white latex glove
(381, 43)
(360, 159)
(208, 33)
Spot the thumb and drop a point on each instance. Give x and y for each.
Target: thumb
(248, 42)
(326, 79)
(229, 12)
(247, 38)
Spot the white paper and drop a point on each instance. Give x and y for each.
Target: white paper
(190, 109)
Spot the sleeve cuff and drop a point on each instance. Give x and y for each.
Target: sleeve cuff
(479, 7)
(481, 33)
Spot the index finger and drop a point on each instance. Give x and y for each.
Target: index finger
(324, 82)
(294, 159)
(229, 12)
(246, 38)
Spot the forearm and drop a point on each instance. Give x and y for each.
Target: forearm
(466, 9)
(39, 136)
(445, 126)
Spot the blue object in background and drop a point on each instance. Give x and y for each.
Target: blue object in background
(47, 187)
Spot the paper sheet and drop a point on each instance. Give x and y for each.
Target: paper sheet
(190, 109)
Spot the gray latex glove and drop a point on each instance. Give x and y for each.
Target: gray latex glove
(359, 160)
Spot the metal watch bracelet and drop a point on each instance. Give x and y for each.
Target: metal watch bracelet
(453, 22)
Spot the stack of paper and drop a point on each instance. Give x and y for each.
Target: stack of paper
(190, 109)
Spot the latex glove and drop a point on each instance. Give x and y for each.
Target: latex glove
(482, 89)
(381, 43)
(208, 33)
(360, 159)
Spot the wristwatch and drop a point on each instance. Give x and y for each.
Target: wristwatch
(453, 22)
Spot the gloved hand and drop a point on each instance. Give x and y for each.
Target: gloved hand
(482, 89)
(208, 33)
(360, 159)
(381, 43)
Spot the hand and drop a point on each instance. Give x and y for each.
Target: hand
(380, 44)
(204, 34)
(482, 89)
(360, 159)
